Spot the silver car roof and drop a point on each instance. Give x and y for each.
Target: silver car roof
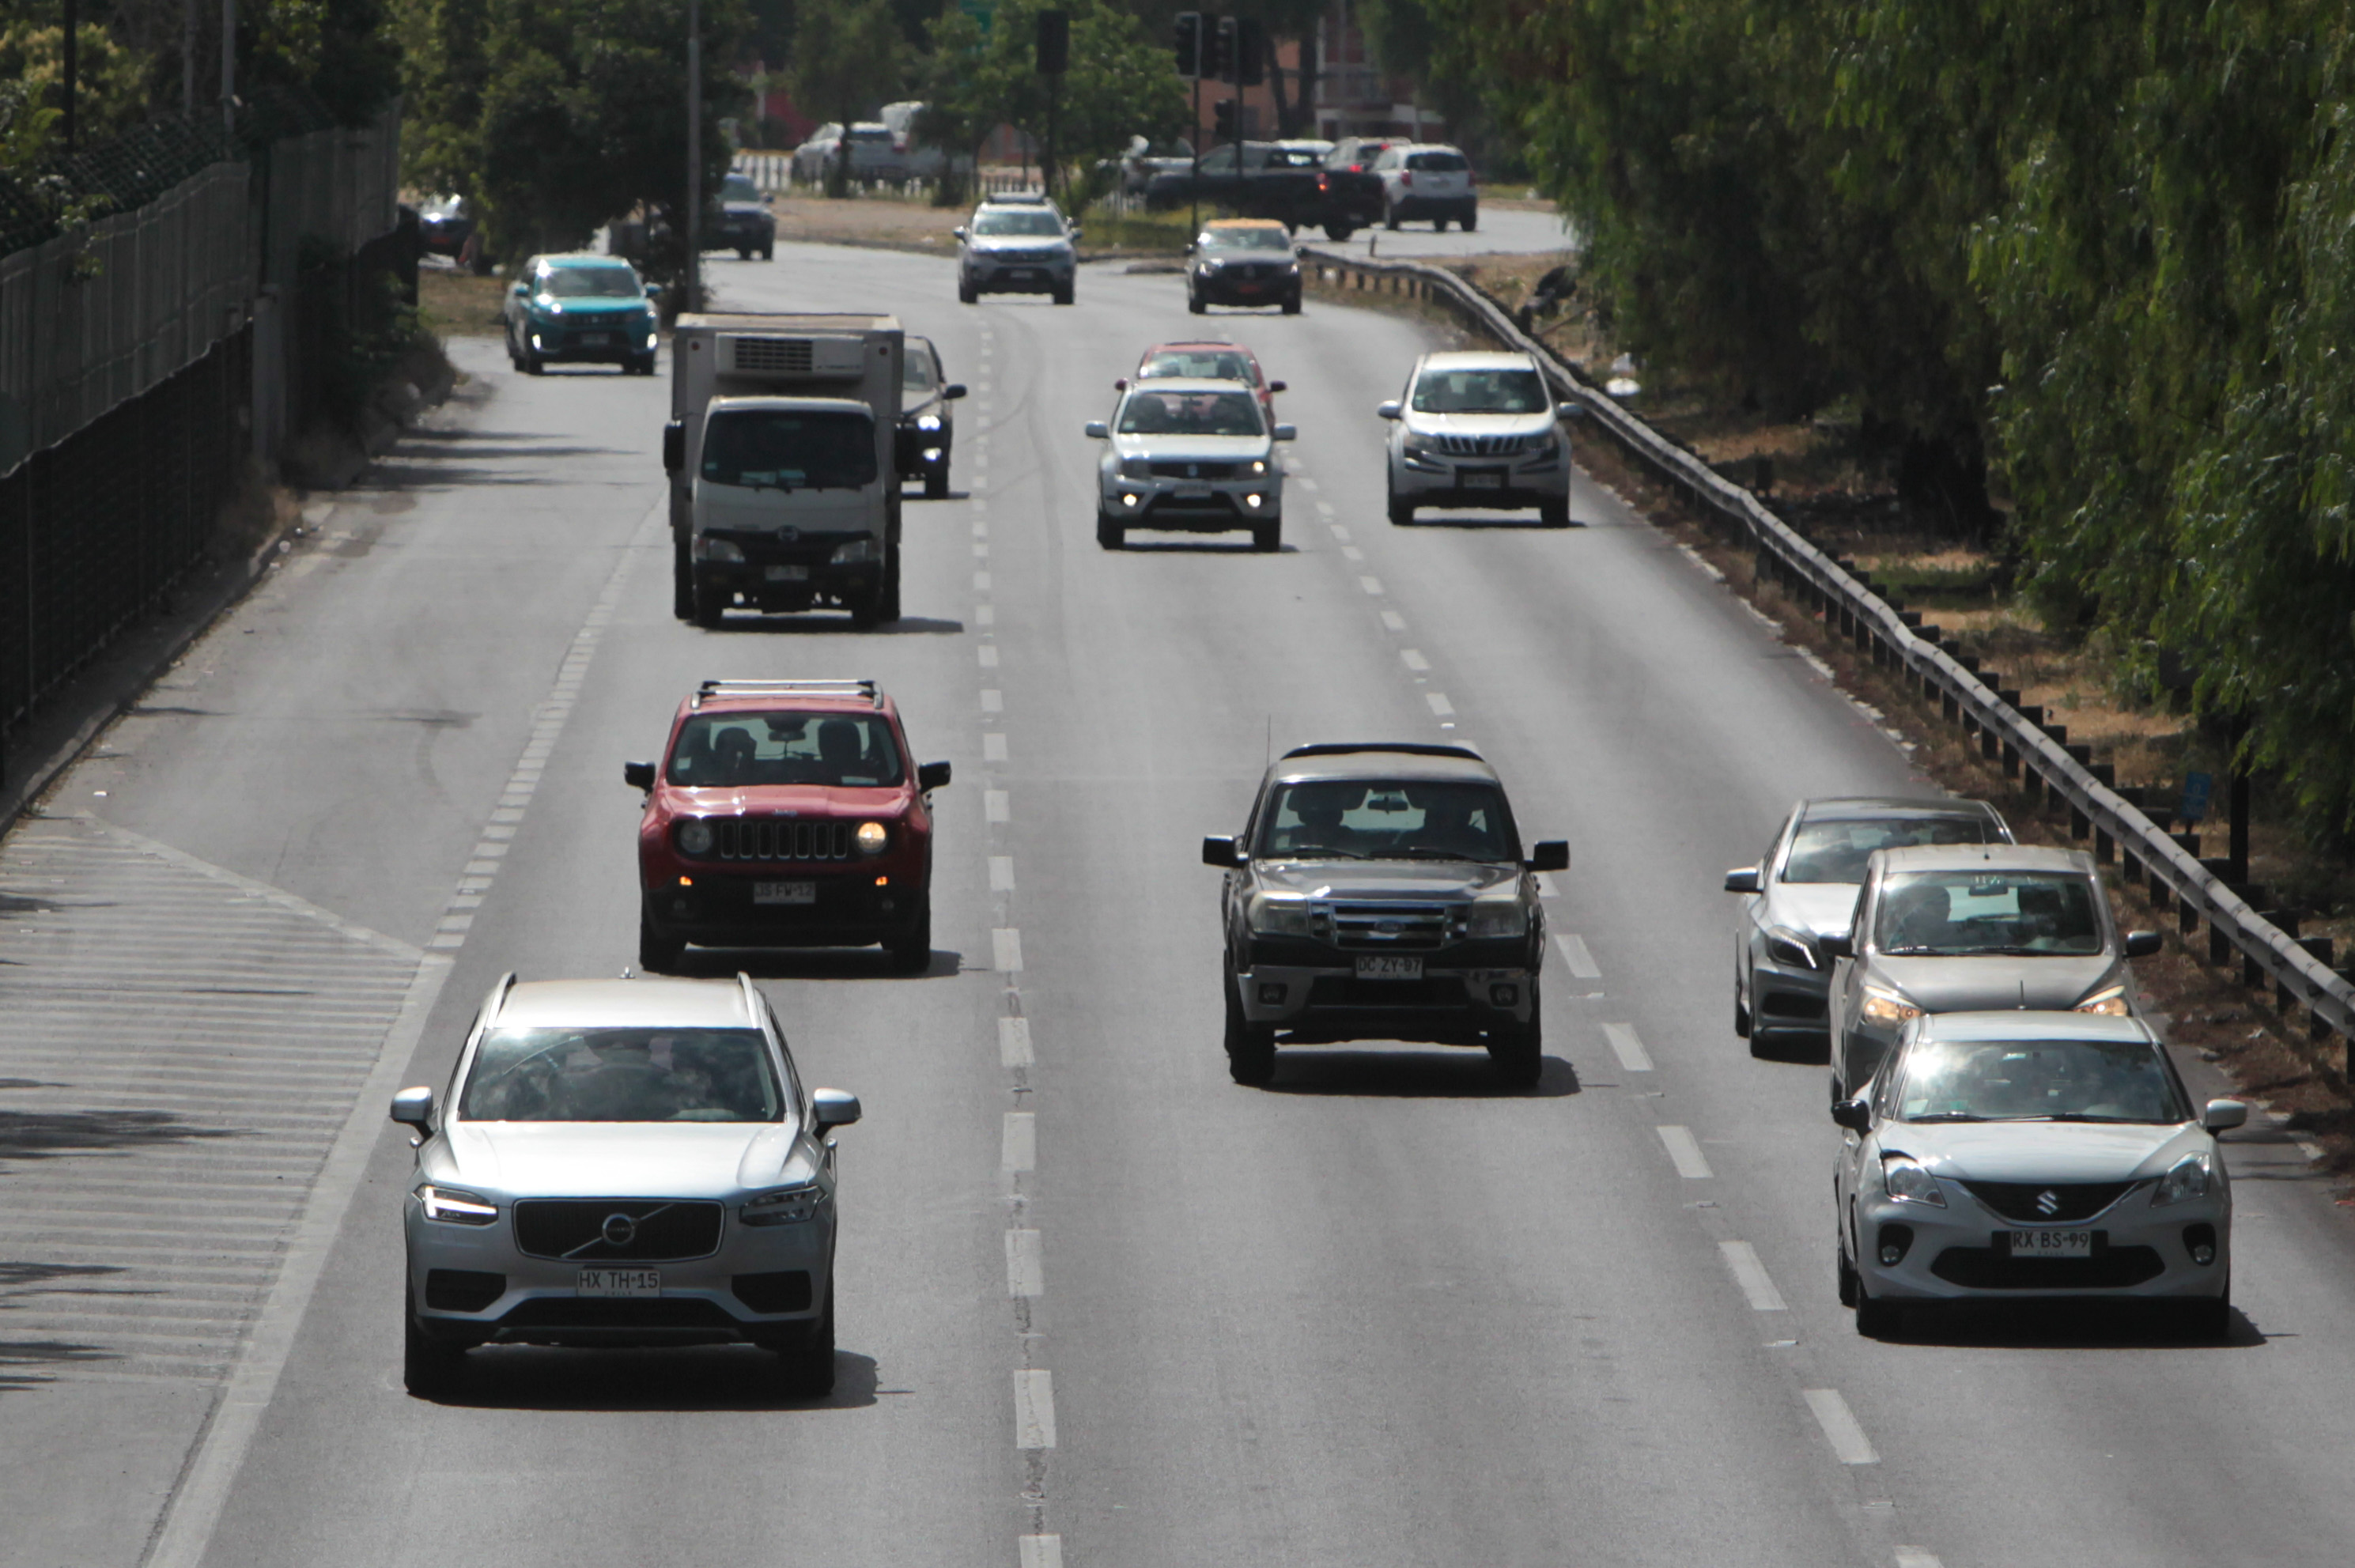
(1985, 856)
(1836, 808)
(1476, 360)
(1380, 762)
(2017, 1025)
(647, 1003)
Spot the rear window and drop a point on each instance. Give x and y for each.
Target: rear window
(737, 187)
(1438, 162)
(1201, 364)
(766, 449)
(633, 1074)
(738, 751)
(1836, 851)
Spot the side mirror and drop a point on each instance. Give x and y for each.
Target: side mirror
(832, 1108)
(1287, 432)
(1275, 386)
(1570, 411)
(1549, 854)
(673, 447)
(959, 233)
(932, 775)
(654, 291)
(1221, 853)
(953, 391)
(1853, 1114)
(638, 775)
(2224, 1115)
(1120, 384)
(1099, 431)
(768, 198)
(1388, 411)
(2142, 944)
(1075, 233)
(1842, 945)
(1744, 880)
(521, 291)
(414, 1108)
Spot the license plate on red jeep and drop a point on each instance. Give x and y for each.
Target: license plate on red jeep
(784, 893)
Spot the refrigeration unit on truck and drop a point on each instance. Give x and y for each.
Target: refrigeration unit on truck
(784, 495)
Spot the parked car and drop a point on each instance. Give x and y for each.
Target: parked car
(927, 423)
(1423, 180)
(2013, 1156)
(581, 309)
(444, 223)
(743, 222)
(1478, 428)
(816, 154)
(1804, 890)
(1955, 929)
(1017, 244)
(1242, 261)
(620, 1163)
(1212, 361)
(1380, 891)
(1193, 456)
(919, 159)
(1257, 179)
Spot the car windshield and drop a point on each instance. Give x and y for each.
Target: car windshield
(1189, 413)
(1003, 221)
(2038, 1079)
(769, 449)
(1202, 364)
(1479, 392)
(634, 1075)
(1246, 239)
(1836, 851)
(443, 207)
(1380, 821)
(590, 283)
(737, 187)
(734, 750)
(916, 367)
(1956, 913)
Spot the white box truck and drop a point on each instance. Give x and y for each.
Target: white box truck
(784, 495)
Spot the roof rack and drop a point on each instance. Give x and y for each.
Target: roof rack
(865, 690)
(1413, 748)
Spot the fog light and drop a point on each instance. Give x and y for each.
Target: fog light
(2200, 1240)
(2203, 1256)
(1504, 996)
(1894, 1241)
(1271, 994)
(1252, 500)
(1128, 500)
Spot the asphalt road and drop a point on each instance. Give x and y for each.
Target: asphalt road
(1098, 1304)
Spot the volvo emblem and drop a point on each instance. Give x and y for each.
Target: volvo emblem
(2048, 1203)
(620, 1230)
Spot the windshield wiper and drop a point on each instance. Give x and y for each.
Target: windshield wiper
(1947, 1116)
(1919, 952)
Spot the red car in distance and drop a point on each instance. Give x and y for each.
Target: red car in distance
(1212, 361)
(786, 813)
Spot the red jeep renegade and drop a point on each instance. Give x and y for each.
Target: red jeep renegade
(786, 813)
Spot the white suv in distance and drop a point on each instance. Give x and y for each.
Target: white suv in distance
(1428, 180)
(1479, 429)
(1188, 454)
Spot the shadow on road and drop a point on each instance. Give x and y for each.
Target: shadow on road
(1200, 547)
(1478, 521)
(713, 1377)
(1802, 1051)
(1410, 1074)
(821, 624)
(862, 963)
(2050, 1325)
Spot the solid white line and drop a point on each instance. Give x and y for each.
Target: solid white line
(1412, 658)
(1849, 1444)
(1574, 954)
(1439, 704)
(994, 806)
(1026, 1272)
(1046, 1551)
(1006, 951)
(1001, 874)
(1684, 1153)
(1014, 1042)
(992, 746)
(1034, 1409)
(1915, 1557)
(1751, 1274)
(1371, 584)
(1019, 1146)
(1628, 1046)
(992, 699)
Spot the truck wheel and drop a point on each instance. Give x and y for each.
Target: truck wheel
(1268, 535)
(658, 950)
(1250, 1048)
(682, 579)
(1391, 219)
(937, 484)
(912, 950)
(1554, 514)
(887, 598)
(1109, 533)
(710, 604)
(1339, 232)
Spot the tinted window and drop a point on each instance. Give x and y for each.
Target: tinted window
(735, 750)
(633, 1074)
(1016, 220)
(1246, 239)
(1438, 163)
(1189, 413)
(1373, 820)
(1479, 392)
(1201, 364)
(916, 368)
(1961, 912)
(590, 283)
(2094, 1081)
(768, 450)
(736, 188)
(1836, 851)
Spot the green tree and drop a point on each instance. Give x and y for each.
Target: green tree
(850, 59)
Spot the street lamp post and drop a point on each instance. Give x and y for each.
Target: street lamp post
(691, 290)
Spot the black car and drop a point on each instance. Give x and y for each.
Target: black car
(743, 223)
(1380, 892)
(1244, 262)
(444, 224)
(927, 424)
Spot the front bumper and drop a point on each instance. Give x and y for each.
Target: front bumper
(1484, 482)
(1221, 287)
(1788, 1001)
(2140, 1251)
(1314, 994)
(1198, 505)
(1020, 277)
(568, 344)
(851, 906)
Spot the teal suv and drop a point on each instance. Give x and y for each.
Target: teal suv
(581, 309)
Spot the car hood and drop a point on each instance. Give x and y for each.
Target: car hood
(1996, 984)
(617, 306)
(2044, 1151)
(744, 209)
(1441, 881)
(882, 802)
(988, 244)
(734, 507)
(1819, 908)
(613, 1159)
(1195, 448)
(1480, 424)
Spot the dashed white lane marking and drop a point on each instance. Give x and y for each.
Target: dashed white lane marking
(994, 806)
(1849, 1444)
(992, 700)
(1046, 1551)
(1006, 951)
(1018, 1147)
(981, 528)
(2310, 1149)
(1917, 1557)
(1439, 704)
(1014, 1043)
(1001, 874)
(1307, 484)
(985, 614)
(1546, 888)
(1750, 1274)
(1034, 1409)
(1323, 509)
(989, 655)
(1026, 1272)
(1684, 1153)
(1628, 1046)
(981, 583)
(1340, 533)
(992, 746)
(1414, 660)
(1371, 584)
(1351, 552)
(1574, 954)
(980, 551)
(1394, 621)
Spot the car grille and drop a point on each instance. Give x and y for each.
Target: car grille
(1193, 470)
(786, 1290)
(2048, 1203)
(1482, 445)
(1984, 1269)
(1250, 272)
(779, 839)
(1024, 258)
(1389, 927)
(775, 356)
(575, 1229)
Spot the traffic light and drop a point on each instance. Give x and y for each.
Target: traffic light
(1189, 43)
(1054, 42)
(1222, 119)
(1248, 63)
(1220, 37)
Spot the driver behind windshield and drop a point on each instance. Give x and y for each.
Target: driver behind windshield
(1950, 912)
(1353, 820)
(765, 449)
(1479, 392)
(1190, 414)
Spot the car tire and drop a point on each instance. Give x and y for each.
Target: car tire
(644, 365)
(743, 253)
(428, 1368)
(1554, 514)
(1844, 1272)
(682, 577)
(1740, 1011)
(1391, 219)
(2210, 1319)
(937, 484)
(658, 950)
(1268, 536)
(1439, 225)
(1195, 303)
(1110, 533)
(1250, 1048)
(1292, 304)
(1063, 295)
(1339, 232)
(967, 293)
(1518, 1050)
(1402, 511)
(1471, 220)
(912, 950)
(806, 1370)
(1875, 1319)
(768, 252)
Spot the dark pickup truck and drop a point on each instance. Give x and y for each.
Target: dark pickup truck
(1253, 179)
(1348, 192)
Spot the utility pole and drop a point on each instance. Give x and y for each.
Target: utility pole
(1054, 59)
(69, 67)
(691, 291)
(228, 71)
(189, 61)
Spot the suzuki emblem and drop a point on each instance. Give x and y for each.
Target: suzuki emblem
(2048, 1203)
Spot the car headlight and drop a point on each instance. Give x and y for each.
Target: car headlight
(1496, 917)
(2111, 1000)
(709, 549)
(1887, 1007)
(872, 838)
(1136, 469)
(1255, 467)
(455, 1206)
(855, 551)
(695, 837)
(1280, 917)
(1790, 949)
(2190, 1178)
(1908, 1180)
(790, 1206)
(556, 307)
(1547, 456)
(928, 421)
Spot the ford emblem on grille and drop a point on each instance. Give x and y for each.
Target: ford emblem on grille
(620, 1230)
(2048, 1203)
(1388, 928)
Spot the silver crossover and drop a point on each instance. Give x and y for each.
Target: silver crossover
(1478, 429)
(622, 1162)
(2007, 1154)
(1804, 889)
(1182, 452)
(1964, 929)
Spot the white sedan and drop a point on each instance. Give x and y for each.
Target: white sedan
(1999, 1155)
(1191, 455)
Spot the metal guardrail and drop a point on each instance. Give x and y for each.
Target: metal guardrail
(1896, 640)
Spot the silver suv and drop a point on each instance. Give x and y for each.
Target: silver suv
(1427, 180)
(1191, 453)
(1017, 245)
(1479, 429)
(1380, 892)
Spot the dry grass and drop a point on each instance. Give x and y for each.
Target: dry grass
(453, 304)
